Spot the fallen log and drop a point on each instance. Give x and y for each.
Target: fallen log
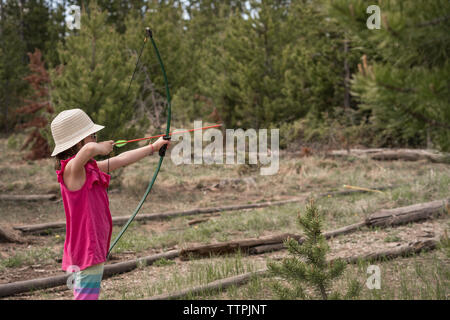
(383, 218)
(6, 236)
(410, 155)
(55, 281)
(330, 234)
(344, 230)
(28, 197)
(251, 246)
(44, 228)
(243, 246)
(267, 248)
(406, 250)
(13, 288)
(353, 152)
(215, 285)
(403, 215)
(393, 154)
(257, 246)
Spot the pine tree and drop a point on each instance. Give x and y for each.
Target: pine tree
(56, 28)
(36, 16)
(314, 62)
(403, 78)
(12, 61)
(94, 76)
(37, 108)
(165, 21)
(274, 63)
(117, 10)
(206, 21)
(307, 263)
(24, 26)
(241, 69)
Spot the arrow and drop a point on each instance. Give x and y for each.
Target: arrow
(121, 143)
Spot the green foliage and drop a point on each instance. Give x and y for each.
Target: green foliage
(56, 28)
(163, 262)
(117, 10)
(168, 32)
(241, 70)
(403, 83)
(95, 78)
(313, 61)
(24, 27)
(307, 263)
(311, 68)
(13, 142)
(13, 62)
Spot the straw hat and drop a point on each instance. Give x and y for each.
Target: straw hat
(70, 127)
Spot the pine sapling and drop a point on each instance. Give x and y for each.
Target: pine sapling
(307, 263)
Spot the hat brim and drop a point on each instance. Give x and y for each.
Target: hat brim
(69, 144)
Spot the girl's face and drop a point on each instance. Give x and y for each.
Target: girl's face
(90, 138)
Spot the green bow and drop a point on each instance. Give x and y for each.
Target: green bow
(162, 150)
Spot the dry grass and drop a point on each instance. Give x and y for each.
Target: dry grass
(189, 186)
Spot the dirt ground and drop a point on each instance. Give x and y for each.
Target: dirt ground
(197, 186)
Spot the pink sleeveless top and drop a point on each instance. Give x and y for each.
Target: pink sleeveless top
(88, 219)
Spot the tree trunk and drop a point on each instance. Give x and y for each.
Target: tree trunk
(4, 90)
(323, 293)
(346, 78)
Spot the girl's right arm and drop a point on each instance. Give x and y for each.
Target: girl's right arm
(74, 174)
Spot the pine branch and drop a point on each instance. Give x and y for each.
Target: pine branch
(416, 115)
(398, 89)
(308, 262)
(431, 122)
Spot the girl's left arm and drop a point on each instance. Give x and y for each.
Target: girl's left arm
(129, 157)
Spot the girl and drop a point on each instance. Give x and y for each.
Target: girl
(84, 184)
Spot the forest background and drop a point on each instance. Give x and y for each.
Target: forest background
(312, 68)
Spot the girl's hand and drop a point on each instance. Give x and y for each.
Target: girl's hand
(160, 142)
(105, 147)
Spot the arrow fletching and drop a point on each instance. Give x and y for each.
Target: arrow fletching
(120, 143)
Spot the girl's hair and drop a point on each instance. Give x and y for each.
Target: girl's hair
(66, 154)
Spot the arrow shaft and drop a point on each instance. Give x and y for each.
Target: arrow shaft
(172, 133)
